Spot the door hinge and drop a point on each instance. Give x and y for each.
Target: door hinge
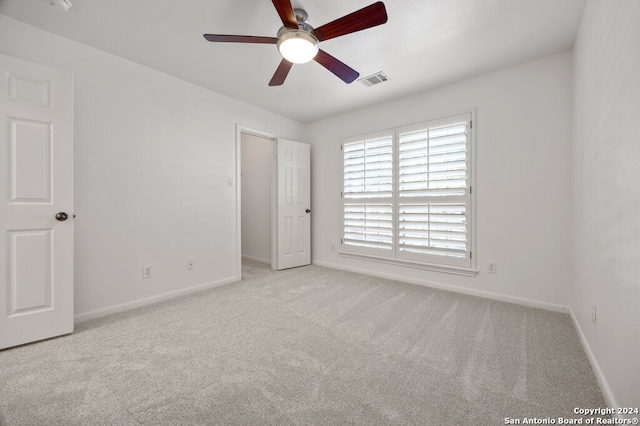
(471, 124)
(341, 147)
(470, 255)
(470, 190)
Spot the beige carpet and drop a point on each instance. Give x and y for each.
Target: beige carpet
(309, 345)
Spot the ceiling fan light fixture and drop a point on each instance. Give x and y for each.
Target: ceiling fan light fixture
(297, 46)
(298, 41)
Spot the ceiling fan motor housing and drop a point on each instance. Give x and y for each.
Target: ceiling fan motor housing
(301, 15)
(61, 5)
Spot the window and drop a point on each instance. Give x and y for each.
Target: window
(407, 193)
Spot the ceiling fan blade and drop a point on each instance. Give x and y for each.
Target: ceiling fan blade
(340, 69)
(281, 73)
(285, 10)
(240, 39)
(368, 17)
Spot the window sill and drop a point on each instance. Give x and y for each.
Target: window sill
(456, 270)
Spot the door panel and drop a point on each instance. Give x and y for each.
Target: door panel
(29, 161)
(294, 219)
(36, 182)
(29, 271)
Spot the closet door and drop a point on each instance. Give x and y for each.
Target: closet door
(36, 202)
(293, 204)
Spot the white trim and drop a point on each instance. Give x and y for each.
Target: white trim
(432, 284)
(467, 272)
(274, 204)
(98, 313)
(602, 381)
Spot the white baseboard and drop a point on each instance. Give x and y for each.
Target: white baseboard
(479, 293)
(602, 381)
(149, 300)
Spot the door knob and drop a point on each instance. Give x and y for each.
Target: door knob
(62, 216)
(308, 210)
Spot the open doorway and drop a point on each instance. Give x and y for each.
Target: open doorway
(273, 201)
(256, 197)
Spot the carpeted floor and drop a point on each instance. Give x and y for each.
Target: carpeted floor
(310, 345)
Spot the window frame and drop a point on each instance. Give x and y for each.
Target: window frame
(466, 266)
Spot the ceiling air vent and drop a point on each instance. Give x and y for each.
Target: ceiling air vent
(374, 79)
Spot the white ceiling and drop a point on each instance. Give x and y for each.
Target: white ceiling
(424, 44)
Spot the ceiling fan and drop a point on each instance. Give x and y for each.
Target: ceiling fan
(298, 41)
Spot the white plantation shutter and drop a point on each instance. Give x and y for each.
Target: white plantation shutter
(368, 168)
(432, 191)
(406, 193)
(433, 161)
(368, 193)
(368, 225)
(433, 229)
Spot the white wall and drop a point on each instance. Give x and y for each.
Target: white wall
(606, 193)
(257, 153)
(523, 156)
(152, 158)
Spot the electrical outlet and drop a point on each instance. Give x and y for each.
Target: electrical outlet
(333, 247)
(191, 264)
(147, 271)
(493, 268)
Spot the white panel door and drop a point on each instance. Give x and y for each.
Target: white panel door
(294, 204)
(36, 193)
